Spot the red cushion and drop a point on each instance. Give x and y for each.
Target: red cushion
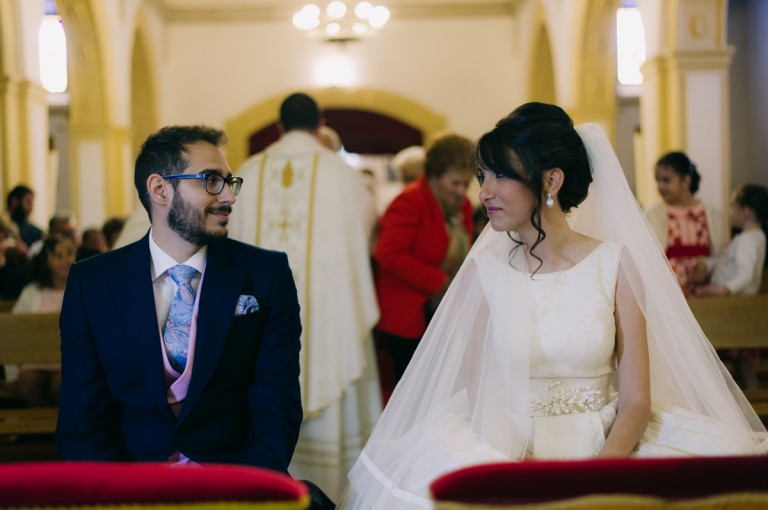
(541, 481)
(79, 483)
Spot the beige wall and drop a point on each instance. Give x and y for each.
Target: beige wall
(466, 70)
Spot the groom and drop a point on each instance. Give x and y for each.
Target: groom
(184, 346)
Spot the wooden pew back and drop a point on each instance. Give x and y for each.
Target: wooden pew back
(736, 322)
(29, 338)
(733, 322)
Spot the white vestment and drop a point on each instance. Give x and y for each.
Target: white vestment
(301, 198)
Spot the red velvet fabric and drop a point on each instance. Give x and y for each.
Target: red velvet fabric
(543, 481)
(95, 483)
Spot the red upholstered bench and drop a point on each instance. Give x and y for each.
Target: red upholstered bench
(147, 485)
(732, 483)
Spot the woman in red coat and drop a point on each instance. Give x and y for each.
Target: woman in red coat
(424, 236)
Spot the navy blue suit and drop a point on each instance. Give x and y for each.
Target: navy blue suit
(243, 404)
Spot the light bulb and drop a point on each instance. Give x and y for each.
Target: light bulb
(336, 9)
(379, 16)
(307, 18)
(363, 10)
(359, 28)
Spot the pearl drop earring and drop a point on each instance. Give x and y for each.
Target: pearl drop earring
(550, 201)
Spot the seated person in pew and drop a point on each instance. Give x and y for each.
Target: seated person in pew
(182, 347)
(739, 269)
(39, 383)
(564, 334)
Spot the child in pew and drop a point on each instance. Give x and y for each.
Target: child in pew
(39, 383)
(739, 270)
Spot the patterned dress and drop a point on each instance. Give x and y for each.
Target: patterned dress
(688, 239)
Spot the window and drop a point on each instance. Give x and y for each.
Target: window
(630, 44)
(53, 50)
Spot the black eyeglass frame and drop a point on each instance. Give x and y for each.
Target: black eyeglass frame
(234, 183)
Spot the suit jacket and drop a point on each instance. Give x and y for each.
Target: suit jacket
(243, 404)
(409, 254)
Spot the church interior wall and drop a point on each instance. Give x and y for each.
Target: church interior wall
(468, 70)
(748, 33)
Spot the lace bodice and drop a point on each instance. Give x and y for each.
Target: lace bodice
(575, 331)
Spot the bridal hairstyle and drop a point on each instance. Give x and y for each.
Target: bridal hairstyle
(534, 138)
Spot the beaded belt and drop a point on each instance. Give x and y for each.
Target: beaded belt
(557, 397)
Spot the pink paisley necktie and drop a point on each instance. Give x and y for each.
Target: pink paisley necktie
(176, 332)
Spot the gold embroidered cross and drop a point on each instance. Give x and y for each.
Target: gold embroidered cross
(288, 175)
(284, 225)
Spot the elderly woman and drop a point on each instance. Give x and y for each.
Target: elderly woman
(424, 236)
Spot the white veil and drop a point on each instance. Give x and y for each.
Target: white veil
(685, 370)
(456, 361)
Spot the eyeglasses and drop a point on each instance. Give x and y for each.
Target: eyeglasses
(213, 183)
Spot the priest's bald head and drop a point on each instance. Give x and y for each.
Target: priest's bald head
(299, 111)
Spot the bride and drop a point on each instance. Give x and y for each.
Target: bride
(564, 335)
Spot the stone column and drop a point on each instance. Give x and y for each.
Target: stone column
(101, 185)
(24, 142)
(684, 102)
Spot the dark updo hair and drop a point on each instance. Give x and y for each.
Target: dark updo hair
(755, 197)
(534, 138)
(682, 166)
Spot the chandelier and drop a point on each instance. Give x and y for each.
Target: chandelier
(339, 23)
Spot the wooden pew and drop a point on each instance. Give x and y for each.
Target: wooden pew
(29, 338)
(733, 322)
(736, 322)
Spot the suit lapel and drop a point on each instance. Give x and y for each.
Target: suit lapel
(221, 286)
(139, 317)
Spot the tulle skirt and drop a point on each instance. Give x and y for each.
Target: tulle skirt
(400, 476)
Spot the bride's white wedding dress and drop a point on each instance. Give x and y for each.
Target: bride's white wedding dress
(573, 396)
(515, 364)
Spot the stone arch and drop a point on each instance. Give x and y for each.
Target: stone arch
(541, 79)
(88, 94)
(595, 72)
(98, 148)
(143, 90)
(393, 105)
(11, 156)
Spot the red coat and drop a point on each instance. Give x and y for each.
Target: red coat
(410, 250)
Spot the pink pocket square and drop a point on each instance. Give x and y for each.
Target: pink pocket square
(246, 305)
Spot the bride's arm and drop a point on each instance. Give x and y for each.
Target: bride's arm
(634, 374)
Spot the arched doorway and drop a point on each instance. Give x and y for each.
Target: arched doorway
(361, 132)
(264, 114)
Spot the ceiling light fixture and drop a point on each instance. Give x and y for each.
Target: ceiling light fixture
(338, 23)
